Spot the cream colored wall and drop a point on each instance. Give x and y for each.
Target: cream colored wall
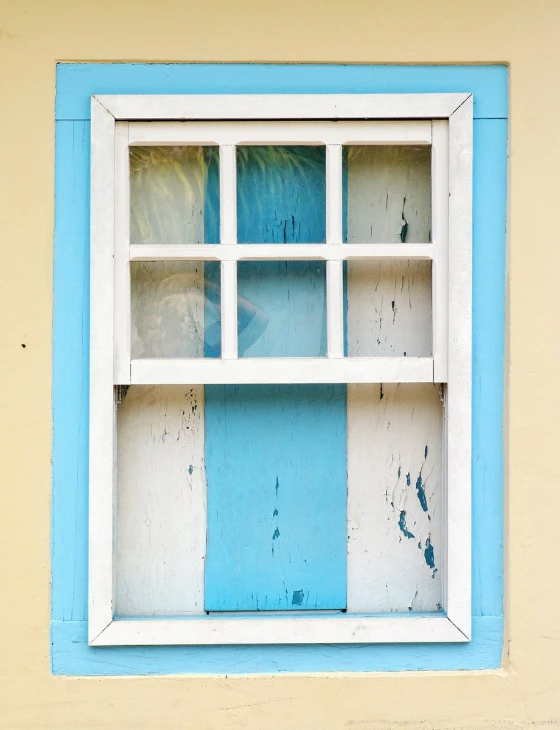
(34, 34)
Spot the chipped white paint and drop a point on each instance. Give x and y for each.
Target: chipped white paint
(101, 395)
(161, 502)
(395, 526)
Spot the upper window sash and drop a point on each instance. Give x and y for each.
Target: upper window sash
(335, 368)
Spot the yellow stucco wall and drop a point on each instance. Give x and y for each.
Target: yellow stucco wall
(34, 34)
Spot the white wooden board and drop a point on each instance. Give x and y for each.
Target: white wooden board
(395, 527)
(161, 502)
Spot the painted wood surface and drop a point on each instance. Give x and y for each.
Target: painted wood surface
(395, 431)
(276, 471)
(161, 502)
(76, 82)
(101, 430)
(395, 520)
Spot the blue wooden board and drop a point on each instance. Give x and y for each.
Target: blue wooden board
(276, 472)
(77, 81)
(75, 84)
(276, 455)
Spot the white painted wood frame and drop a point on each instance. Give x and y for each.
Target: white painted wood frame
(441, 120)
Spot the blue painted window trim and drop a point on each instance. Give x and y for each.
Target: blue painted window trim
(75, 84)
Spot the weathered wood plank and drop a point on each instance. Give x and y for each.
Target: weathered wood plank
(395, 521)
(276, 470)
(161, 501)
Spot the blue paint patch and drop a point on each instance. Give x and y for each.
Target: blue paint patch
(191, 468)
(297, 598)
(429, 554)
(421, 492)
(408, 479)
(402, 525)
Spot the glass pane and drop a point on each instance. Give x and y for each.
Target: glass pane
(174, 195)
(389, 308)
(281, 308)
(387, 196)
(175, 309)
(281, 194)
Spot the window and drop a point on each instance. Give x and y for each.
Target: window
(211, 324)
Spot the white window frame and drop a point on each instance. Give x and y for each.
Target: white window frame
(198, 119)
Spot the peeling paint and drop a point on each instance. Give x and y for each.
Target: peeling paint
(429, 554)
(402, 525)
(297, 598)
(404, 227)
(421, 493)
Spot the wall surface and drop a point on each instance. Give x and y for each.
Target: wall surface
(34, 35)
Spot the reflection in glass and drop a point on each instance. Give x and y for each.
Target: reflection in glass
(287, 312)
(174, 195)
(175, 309)
(388, 308)
(387, 194)
(281, 194)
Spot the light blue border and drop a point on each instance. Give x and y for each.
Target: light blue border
(75, 84)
